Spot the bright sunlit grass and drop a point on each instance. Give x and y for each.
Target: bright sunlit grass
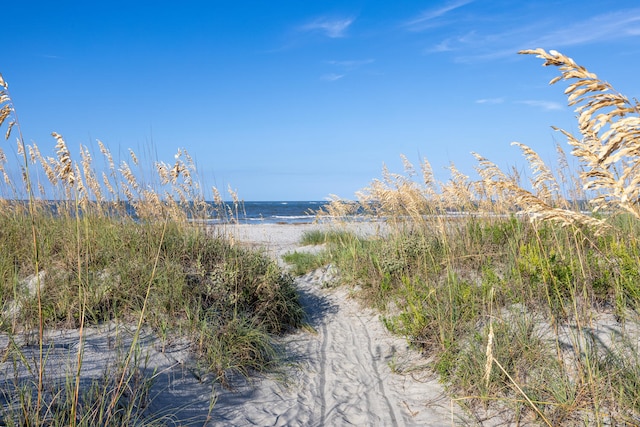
(525, 296)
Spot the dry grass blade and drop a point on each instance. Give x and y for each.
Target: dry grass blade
(515, 384)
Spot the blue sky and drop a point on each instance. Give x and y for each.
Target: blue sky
(296, 100)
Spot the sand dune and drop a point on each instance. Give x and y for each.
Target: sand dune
(343, 369)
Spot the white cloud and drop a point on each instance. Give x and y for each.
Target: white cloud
(351, 64)
(332, 77)
(444, 46)
(424, 20)
(344, 67)
(609, 26)
(333, 28)
(550, 34)
(453, 43)
(490, 101)
(545, 105)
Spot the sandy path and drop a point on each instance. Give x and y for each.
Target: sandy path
(340, 372)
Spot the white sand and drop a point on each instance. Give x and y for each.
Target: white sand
(346, 369)
(341, 372)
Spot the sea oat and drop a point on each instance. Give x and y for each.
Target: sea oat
(428, 180)
(127, 192)
(107, 154)
(125, 170)
(457, 192)
(408, 167)
(234, 194)
(609, 149)
(89, 175)
(175, 171)
(5, 112)
(489, 353)
(543, 181)
(163, 172)
(107, 184)
(81, 190)
(217, 198)
(133, 156)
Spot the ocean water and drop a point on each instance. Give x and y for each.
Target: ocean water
(285, 212)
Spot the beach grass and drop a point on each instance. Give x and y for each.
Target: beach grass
(524, 295)
(85, 246)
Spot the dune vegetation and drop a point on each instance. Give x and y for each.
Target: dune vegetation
(523, 295)
(521, 292)
(122, 246)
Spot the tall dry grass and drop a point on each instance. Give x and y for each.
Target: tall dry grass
(124, 244)
(524, 290)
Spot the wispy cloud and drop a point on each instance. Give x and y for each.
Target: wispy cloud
(452, 43)
(331, 77)
(332, 28)
(605, 27)
(544, 105)
(490, 101)
(351, 64)
(444, 46)
(426, 19)
(344, 67)
(548, 34)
